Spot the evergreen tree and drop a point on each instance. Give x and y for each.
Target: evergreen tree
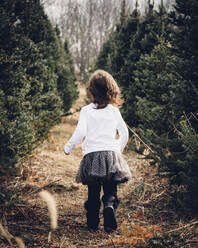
(185, 18)
(45, 101)
(66, 86)
(31, 58)
(167, 105)
(104, 58)
(17, 133)
(134, 37)
(164, 125)
(116, 49)
(183, 167)
(160, 92)
(123, 12)
(178, 154)
(144, 40)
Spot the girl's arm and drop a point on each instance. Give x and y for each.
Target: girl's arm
(123, 131)
(78, 135)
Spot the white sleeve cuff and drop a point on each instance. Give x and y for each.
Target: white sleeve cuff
(66, 150)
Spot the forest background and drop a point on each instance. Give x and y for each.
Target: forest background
(152, 53)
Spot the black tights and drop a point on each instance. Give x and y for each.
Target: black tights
(110, 192)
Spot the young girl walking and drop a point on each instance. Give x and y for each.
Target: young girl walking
(105, 136)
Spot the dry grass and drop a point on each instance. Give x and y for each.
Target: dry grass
(146, 208)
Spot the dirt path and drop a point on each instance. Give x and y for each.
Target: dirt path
(146, 205)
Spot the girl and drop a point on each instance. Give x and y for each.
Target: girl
(102, 163)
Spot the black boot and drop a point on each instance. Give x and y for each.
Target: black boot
(92, 215)
(110, 205)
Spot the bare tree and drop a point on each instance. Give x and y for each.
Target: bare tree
(86, 24)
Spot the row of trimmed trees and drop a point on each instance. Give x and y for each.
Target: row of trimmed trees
(155, 60)
(37, 81)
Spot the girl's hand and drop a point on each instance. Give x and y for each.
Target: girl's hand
(66, 153)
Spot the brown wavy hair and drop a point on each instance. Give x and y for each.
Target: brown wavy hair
(103, 89)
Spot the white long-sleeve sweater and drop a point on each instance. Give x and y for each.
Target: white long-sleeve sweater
(99, 128)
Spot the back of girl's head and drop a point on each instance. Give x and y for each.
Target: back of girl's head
(103, 89)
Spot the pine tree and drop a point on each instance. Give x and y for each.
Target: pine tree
(117, 47)
(66, 86)
(181, 161)
(134, 37)
(143, 41)
(186, 45)
(164, 125)
(160, 91)
(30, 55)
(104, 58)
(17, 133)
(44, 98)
(123, 12)
(167, 105)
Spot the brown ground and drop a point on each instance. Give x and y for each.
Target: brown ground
(147, 208)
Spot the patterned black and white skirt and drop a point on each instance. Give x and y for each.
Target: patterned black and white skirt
(97, 167)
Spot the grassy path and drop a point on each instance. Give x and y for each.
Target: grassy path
(50, 164)
(146, 208)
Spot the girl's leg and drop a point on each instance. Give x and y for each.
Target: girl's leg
(110, 201)
(110, 194)
(93, 206)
